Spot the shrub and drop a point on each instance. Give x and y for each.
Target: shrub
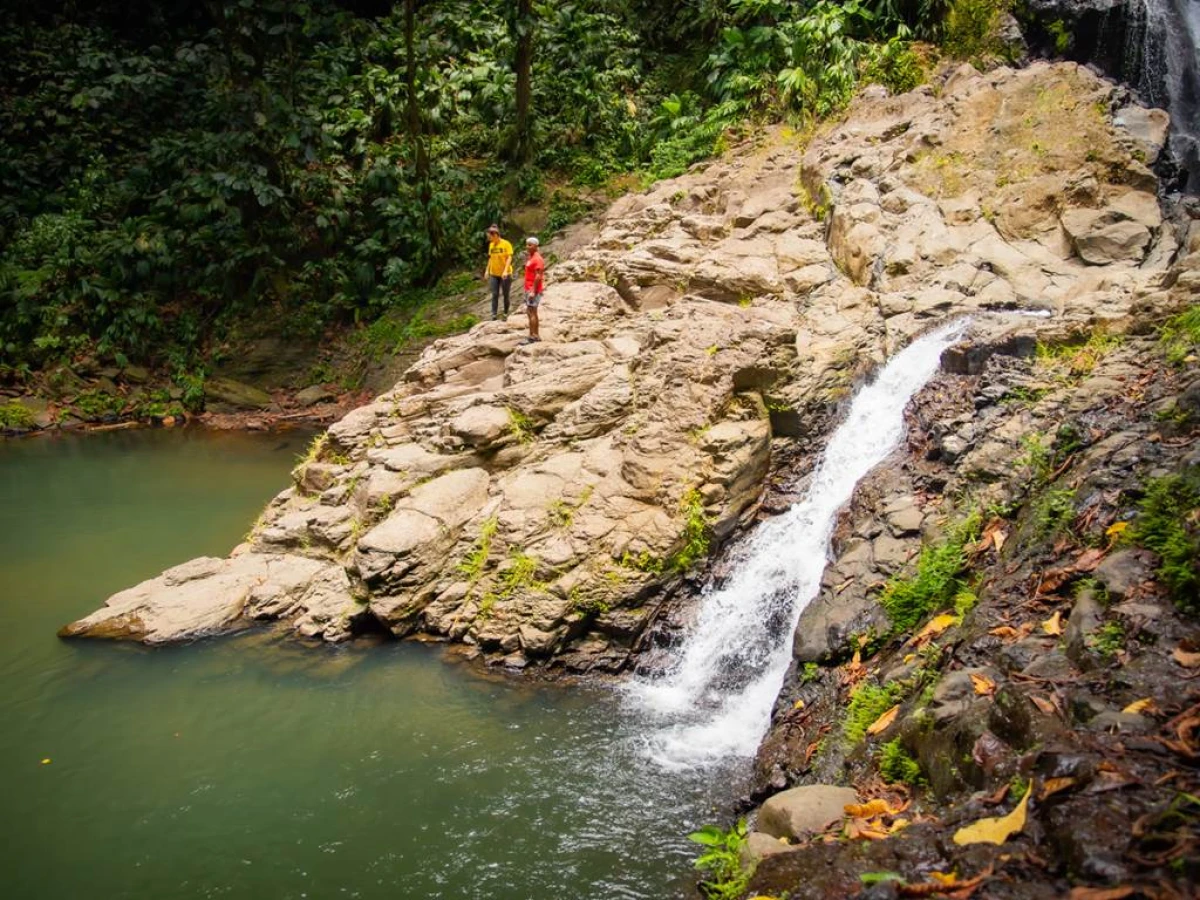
(696, 533)
(14, 415)
(972, 28)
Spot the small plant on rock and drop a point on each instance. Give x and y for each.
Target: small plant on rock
(520, 426)
(938, 580)
(721, 860)
(1169, 524)
(1180, 336)
(696, 536)
(897, 766)
(867, 703)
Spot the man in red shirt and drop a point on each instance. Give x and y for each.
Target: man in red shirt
(535, 268)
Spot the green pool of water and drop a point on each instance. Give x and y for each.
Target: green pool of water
(251, 767)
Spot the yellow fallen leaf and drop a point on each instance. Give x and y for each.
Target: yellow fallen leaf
(1146, 704)
(994, 830)
(884, 721)
(983, 685)
(942, 878)
(1053, 625)
(1186, 659)
(799, 704)
(1116, 529)
(998, 539)
(898, 825)
(46, 761)
(876, 807)
(936, 626)
(909, 657)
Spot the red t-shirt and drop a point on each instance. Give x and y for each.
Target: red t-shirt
(534, 267)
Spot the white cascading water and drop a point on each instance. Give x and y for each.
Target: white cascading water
(715, 700)
(1163, 62)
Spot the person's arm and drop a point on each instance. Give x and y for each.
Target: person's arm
(540, 281)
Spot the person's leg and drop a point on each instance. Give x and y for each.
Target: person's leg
(494, 283)
(507, 289)
(533, 321)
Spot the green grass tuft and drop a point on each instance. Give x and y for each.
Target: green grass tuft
(1180, 336)
(1169, 524)
(897, 766)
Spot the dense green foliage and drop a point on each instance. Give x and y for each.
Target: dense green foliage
(167, 170)
(1169, 524)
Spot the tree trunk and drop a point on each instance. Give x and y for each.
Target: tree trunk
(416, 132)
(523, 63)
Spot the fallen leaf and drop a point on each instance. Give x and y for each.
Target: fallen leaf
(861, 830)
(997, 796)
(994, 830)
(1004, 631)
(1146, 704)
(998, 539)
(1115, 530)
(1089, 559)
(1046, 706)
(884, 721)
(936, 626)
(1186, 659)
(1054, 786)
(942, 878)
(799, 704)
(899, 825)
(876, 807)
(1053, 625)
(983, 685)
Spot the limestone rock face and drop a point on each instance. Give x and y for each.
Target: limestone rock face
(538, 501)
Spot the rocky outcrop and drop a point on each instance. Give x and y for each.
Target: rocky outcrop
(543, 500)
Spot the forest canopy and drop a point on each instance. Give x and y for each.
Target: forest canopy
(169, 168)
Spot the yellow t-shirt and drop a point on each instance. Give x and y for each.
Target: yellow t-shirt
(500, 258)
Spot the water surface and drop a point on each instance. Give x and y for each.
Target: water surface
(251, 767)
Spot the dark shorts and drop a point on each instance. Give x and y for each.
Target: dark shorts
(533, 300)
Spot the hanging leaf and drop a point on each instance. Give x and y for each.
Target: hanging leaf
(995, 830)
(884, 721)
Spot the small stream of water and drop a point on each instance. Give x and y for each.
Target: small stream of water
(715, 701)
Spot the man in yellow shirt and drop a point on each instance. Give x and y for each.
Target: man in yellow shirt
(499, 269)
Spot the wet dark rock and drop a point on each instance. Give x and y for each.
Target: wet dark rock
(1086, 616)
(1121, 572)
(1052, 666)
(1116, 722)
(1017, 656)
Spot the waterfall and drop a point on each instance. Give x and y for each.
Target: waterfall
(1162, 60)
(715, 699)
